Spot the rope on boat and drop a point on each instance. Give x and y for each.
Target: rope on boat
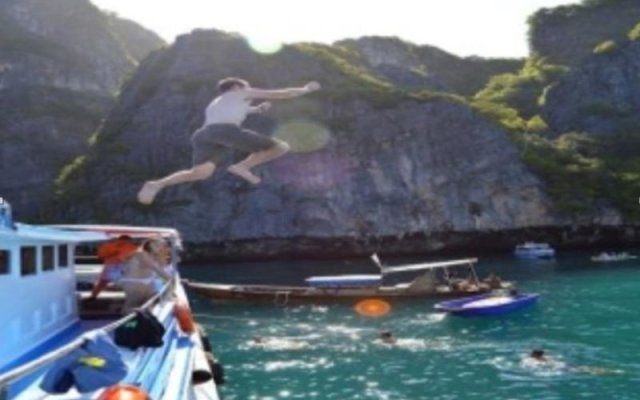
(26, 369)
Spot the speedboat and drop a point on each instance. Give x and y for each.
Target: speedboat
(487, 304)
(54, 345)
(613, 257)
(534, 250)
(434, 280)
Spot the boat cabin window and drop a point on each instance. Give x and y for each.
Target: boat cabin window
(5, 262)
(48, 261)
(63, 256)
(28, 263)
(86, 254)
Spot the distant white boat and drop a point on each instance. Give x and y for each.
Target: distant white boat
(613, 257)
(534, 250)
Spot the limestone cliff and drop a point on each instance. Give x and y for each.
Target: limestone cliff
(368, 160)
(600, 96)
(138, 41)
(590, 153)
(565, 35)
(427, 67)
(61, 63)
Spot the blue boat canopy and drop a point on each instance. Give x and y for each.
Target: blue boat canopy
(344, 281)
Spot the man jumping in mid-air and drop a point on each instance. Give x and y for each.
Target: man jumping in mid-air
(221, 129)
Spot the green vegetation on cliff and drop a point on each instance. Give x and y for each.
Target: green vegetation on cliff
(522, 92)
(514, 100)
(350, 78)
(565, 35)
(411, 66)
(608, 46)
(583, 173)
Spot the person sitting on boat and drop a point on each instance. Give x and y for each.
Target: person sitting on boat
(493, 281)
(112, 254)
(140, 279)
(452, 280)
(467, 285)
(386, 337)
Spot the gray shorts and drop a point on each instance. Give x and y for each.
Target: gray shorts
(210, 142)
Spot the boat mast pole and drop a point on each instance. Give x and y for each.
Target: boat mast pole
(473, 272)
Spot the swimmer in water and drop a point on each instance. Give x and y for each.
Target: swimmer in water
(278, 343)
(386, 337)
(539, 358)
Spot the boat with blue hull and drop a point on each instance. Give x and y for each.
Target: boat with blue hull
(52, 338)
(487, 304)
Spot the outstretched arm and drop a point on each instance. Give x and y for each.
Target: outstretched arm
(281, 94)
(260, 108)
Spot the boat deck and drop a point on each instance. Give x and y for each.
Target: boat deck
(58, 340)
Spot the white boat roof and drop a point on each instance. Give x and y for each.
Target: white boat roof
(112, 231)
(533, 244)
(24, 232)
(427, 266)
(344, 278)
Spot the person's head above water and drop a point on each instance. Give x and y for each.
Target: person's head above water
(387, 336)
(227, 84)
(538, 354)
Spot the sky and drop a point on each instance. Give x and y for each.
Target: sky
(487, 28)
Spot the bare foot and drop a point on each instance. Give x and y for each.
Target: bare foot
(245, 174)
(148, 192)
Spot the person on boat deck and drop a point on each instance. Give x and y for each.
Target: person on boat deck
(112, 254)
(160, 251)
(222, 128)
(140, 279)
(493, 281)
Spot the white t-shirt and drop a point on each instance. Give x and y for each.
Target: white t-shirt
(228, 108)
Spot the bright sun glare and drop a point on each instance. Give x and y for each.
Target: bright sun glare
(490, 28)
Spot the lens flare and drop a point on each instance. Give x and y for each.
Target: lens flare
(320, 171)
(372, 308)
(264, 44)
(303, 136)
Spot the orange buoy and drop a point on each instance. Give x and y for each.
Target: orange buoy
(184, 316)
(372, 308)
(124, 392)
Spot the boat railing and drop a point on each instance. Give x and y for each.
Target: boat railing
(30, 367)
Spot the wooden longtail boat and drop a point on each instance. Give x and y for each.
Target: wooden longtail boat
(433, 281)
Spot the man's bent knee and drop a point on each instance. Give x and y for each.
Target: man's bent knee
(281, 147)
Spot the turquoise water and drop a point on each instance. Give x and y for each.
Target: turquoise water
(587, 316)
